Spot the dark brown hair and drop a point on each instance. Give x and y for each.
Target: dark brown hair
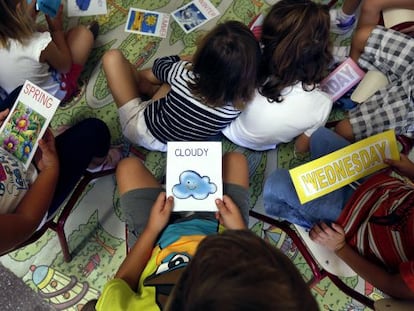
(238, 270)
(15, 22)
(225, 65)
(296, 46)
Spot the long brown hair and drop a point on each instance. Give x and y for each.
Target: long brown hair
(239, 271)
(296, 46)
(15, 21)
(225, 65)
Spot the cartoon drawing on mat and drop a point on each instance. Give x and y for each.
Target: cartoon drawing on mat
(193, 185)
(62, 292)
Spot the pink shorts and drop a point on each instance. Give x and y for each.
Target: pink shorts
(69, 81)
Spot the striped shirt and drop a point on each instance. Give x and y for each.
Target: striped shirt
(180, 116)
(379, 224)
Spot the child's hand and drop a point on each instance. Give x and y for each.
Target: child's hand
(403, 166)
(160, 213)
(56, 23)
(332, 238)
(46, 156)
(3, 115)
(229, 214)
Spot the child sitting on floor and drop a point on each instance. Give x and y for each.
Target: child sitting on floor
(239, 271)
(289, 103)
(391, 107)
(53, 59)
(190, 100)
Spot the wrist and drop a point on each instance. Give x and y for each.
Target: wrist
(339, 248)
(151, 231)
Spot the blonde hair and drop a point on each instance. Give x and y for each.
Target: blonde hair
(15, 22)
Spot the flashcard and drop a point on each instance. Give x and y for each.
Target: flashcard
(147, 23)
(194, 175)
(195, 14)
(86, 7)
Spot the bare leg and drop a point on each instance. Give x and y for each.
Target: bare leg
(344, 129)
(122, 77)
(359, 41)
(235, 169)
(132, 174)
(349, 7)
(80, 41)
(148, 84)
(371, 10)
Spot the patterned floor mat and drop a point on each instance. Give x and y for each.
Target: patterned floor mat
(95, 230)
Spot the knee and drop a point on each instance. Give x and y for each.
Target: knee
(235, 158)
(128, 165)
(344, 129)
(112, 59)
(277, 184)
(82, 32)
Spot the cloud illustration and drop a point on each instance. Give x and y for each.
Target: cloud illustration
(193, 185)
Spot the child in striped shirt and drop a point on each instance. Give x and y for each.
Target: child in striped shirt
(190, 100)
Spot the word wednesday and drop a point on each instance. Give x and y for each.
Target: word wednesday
(344, 166)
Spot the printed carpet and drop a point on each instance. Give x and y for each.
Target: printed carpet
(95, 229)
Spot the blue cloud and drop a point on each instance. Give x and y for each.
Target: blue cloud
(193, 185)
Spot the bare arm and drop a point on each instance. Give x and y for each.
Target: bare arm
(57, 54)
(404, 166)
(334, 239)
(133, 265)
(17, 227)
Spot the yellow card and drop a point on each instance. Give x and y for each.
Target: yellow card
(339, 168)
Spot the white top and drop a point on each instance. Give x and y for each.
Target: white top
(263, 124)
(21, 62)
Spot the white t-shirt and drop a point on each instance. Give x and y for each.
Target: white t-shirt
(21, 62)
(14, 181)
(263, 124)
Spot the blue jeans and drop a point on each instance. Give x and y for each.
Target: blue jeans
(281, 200)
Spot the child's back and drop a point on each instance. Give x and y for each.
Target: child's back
(207, 93)
(264, 124)
(204, 94)
(296, 55)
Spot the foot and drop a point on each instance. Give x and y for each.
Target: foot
(94, 28)
(338, 25)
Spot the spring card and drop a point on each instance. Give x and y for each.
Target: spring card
(147, 23)
(195, 14)
(86, 7)
(337, 169)
(27, 122)
(194, 175)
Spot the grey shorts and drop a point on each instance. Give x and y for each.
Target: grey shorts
(136, 207)
(392, 53)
